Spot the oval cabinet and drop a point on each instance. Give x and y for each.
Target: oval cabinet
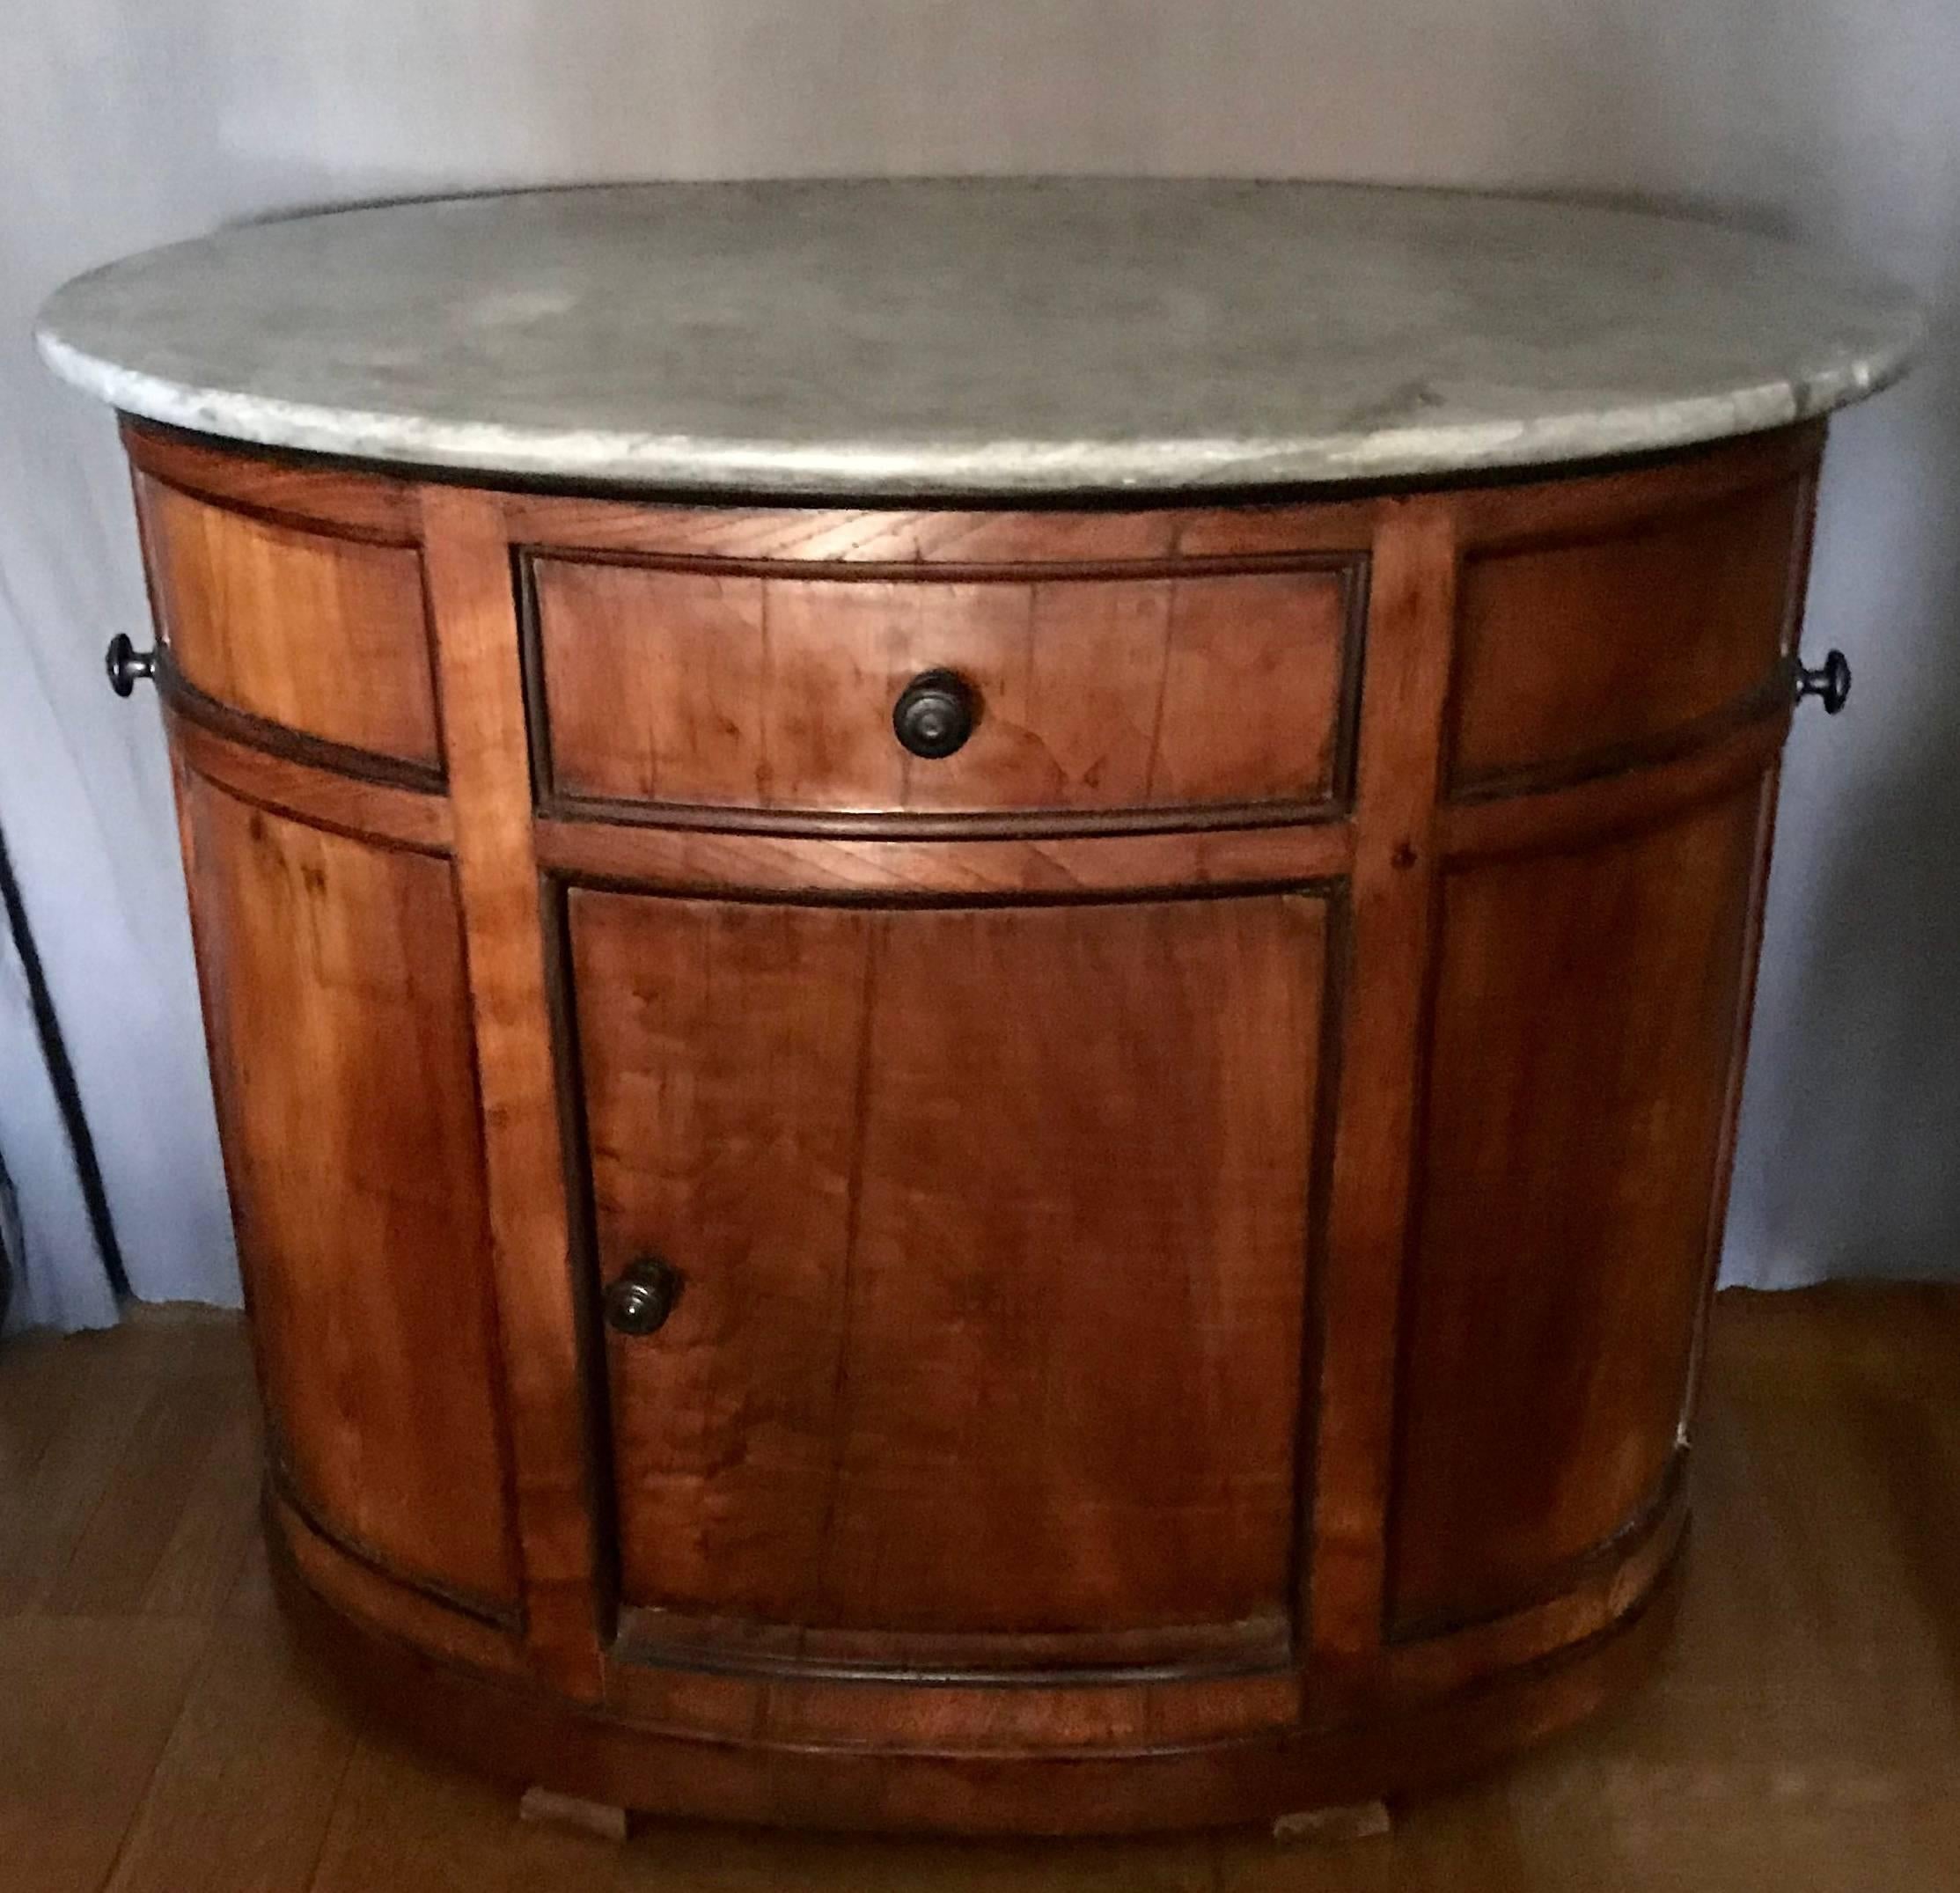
(1016, 1160)
(1155, 1259)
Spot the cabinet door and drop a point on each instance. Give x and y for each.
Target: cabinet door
(992, 1224)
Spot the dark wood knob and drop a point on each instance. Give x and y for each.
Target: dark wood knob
(641, 1298)
(1830, 683)
(127, 665)
(936, 713)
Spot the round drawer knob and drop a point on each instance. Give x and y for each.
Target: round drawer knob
(936, 713)
(1830, 683)
(127, 665)
(642, 1297)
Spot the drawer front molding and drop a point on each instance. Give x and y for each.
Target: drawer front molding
(1139, 690)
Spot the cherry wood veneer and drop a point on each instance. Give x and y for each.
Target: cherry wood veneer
(668, 686)
(941, 1179)
(221, 579)
(1192, 1214)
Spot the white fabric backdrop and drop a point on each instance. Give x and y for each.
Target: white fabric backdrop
(131, 123)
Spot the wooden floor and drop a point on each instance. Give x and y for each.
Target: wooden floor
(155, 1737)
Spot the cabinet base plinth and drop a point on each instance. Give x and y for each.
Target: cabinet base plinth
(536, 1742)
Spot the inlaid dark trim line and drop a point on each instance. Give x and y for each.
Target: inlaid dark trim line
(1630, 802)
(491, 1611)
(379, 814)
(1774, 691)
(1555, 1582)
(295, 745)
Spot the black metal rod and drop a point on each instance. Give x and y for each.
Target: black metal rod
(61, 1077)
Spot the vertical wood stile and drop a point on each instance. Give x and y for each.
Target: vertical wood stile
(1404, 698)
(481, 686)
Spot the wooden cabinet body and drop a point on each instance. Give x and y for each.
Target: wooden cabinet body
(1191, 1215)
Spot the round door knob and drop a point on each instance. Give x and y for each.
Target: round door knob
(936, 713)
(641, 1298)
(127, 665)
(1830, 683)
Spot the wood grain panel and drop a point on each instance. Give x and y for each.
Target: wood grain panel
(324, 635)
(1571, 651)
(722, 1422)
(1568, 1181)
(743, 690)
(1044, 1304)
(1250, 690)
(332, 976)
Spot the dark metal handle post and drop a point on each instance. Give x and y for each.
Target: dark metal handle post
(1830, 683)
(127, 665)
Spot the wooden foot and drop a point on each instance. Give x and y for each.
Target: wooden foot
(1363, 1820)
(600, 1817)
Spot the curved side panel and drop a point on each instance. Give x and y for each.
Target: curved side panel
(1583, 1029)
(335, 1002)
(308, 631)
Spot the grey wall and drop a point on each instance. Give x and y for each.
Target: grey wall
(133, 121)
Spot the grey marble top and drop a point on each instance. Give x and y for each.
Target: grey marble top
(979, 337)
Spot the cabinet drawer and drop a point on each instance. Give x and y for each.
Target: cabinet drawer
(729, 689)
(323, 636)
